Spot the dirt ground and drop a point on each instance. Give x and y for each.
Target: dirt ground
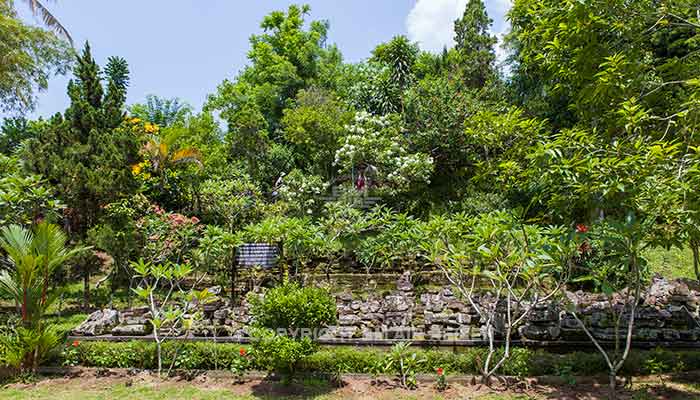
(123, 384)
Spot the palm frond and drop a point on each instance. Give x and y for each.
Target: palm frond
(9, 287)
(187, 155)
(50, 243)
(16, 241)
(39, 10)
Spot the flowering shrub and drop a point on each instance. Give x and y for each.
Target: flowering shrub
(302, 192)
(441, 383)
(167, 236)
(241, 364)
(377, 144)
(70, 354)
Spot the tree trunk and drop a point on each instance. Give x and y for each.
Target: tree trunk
(233, 284)
(35, 360)
(695, 246)
(160, 358)
(86, 289)
(613, 389)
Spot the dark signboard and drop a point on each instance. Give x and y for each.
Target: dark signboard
(263, 255)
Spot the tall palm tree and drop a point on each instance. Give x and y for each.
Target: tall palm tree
(39, 10)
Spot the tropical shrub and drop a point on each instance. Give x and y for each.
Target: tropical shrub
(294, 310)
(376, 150)
(33, 257)
(288, 318)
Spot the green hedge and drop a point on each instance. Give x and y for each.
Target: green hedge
(523, 362)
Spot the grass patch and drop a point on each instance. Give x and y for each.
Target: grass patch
(119, 391)
(673, 263)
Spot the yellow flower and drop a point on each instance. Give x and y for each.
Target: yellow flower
(150, 128)
(136, 169)
(135, 120)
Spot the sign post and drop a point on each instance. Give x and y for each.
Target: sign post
(251, 255)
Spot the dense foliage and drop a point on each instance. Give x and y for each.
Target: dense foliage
(199, 355)
(582, 155)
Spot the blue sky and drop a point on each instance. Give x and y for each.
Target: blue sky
(185, 48)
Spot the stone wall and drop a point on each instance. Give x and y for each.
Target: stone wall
(668, 313)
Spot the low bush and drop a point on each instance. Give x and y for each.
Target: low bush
(333, 360)
(142, 355)
(293, 308)
(279, 353)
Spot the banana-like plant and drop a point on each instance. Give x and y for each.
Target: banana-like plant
(163, 154)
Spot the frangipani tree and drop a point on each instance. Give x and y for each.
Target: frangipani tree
(376, 148)
(620, 274)
(172, 308)
(505, 269)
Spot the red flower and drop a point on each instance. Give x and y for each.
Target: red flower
(76, 343)
(242, 352)
(581, 228)
(440, 371)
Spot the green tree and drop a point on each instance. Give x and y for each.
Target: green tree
(475, 45)
(12, 133)
(31, 56)
(86, 153)
(285, 58)
(581, 62)
(162, 112)
(314, 127)
(400, 55)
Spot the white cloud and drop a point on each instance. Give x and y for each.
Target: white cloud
(431, 22)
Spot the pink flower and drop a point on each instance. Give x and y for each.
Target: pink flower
(581, 228)
(194, 220)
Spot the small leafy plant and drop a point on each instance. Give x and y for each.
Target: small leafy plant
(240, 365)
(441, 384)
(406, 362)
(70, 354)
